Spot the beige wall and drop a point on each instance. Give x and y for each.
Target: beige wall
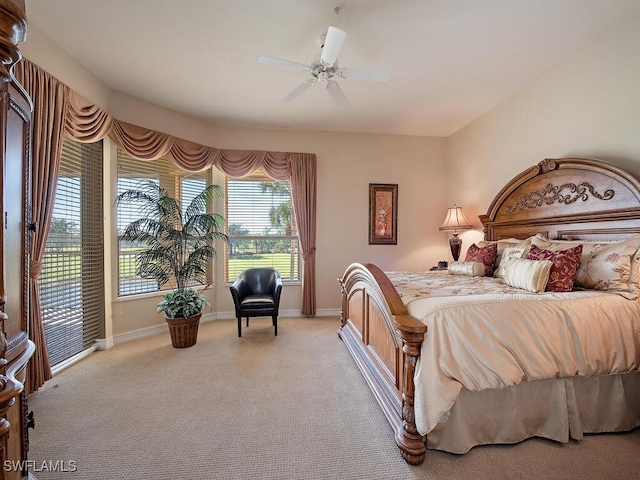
(586, 107)
(347, 163)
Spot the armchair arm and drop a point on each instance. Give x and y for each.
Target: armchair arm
(277, 290)
(239, 290)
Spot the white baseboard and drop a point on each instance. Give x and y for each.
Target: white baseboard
(327, 312)
(106, 343)
(70, 361)
(138, 334)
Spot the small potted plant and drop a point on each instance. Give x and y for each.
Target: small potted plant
(178, 246)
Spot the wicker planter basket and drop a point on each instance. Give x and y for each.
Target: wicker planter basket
(183, 331)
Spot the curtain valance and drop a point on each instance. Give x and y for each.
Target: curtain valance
(88, 123)
(85, 122)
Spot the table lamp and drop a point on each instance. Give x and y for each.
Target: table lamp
(454, 221)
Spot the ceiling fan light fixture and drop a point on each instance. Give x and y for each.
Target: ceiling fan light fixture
(332, 45)
(324, 69)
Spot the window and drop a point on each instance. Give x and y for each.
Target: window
(179, 183)
(261, 227)
(72, 279)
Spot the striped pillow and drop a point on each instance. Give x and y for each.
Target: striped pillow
(531, 275)
(507, 253)
(470, 269)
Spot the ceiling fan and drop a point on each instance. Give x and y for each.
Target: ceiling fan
(324, 69)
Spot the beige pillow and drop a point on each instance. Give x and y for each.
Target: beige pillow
(507, 253)
(612, 266)
(531, 275)
(507, 242)
(470, 269)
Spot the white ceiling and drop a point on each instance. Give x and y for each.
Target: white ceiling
(450, 60)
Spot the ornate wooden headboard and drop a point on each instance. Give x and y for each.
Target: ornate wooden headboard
(567, 198)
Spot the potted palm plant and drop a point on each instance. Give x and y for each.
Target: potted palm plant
(178, 244)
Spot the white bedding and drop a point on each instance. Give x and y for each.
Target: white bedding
(483, 334)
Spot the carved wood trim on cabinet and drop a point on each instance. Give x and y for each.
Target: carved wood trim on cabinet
(15, 347)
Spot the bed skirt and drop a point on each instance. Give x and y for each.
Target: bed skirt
(557, 409)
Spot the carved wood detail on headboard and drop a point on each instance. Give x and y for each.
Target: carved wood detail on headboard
(577, 198)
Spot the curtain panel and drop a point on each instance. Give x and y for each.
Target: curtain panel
(303, 194)
(48, 95)
(59, 110)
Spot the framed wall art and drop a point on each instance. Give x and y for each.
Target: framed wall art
(383, 214)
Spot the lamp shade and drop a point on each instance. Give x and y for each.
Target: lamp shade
(454, 221)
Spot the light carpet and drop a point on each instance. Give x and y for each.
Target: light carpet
(293, 406)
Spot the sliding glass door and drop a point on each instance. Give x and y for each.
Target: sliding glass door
(72, 279)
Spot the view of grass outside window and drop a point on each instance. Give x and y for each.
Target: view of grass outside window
(259, 222)
(261, 227)
(72, 280)
(179, 183)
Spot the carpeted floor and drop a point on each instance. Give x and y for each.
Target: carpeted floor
(288, 407)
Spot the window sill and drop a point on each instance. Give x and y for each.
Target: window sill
(157, 293)
(284, 284)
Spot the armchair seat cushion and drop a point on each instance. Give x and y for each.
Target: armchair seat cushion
(253, 301)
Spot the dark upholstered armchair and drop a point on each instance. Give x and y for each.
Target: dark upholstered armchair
(256, 293)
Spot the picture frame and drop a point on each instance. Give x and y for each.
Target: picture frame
(383, 214)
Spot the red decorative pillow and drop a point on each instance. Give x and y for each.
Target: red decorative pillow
(564, 268)
(486, 255)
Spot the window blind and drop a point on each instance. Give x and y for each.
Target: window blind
(72, 279)
(261, 226)
(178, 183)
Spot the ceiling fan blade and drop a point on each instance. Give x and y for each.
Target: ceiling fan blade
(284, 63)
(338, 96)
(332, 45)
(369, 74)
(298, 90)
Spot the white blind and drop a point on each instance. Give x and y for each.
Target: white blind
(181, 184)
(261, 226)
(72, 279)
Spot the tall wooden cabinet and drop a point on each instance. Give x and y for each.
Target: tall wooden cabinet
(15, 347)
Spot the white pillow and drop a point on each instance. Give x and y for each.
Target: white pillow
(507, 253)
(470, 269)
(531, 275)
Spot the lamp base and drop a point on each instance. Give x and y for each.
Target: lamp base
(455, 243)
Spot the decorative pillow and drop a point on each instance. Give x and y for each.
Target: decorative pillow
(507, 253)
(608, 266)
(486, 255)
(634, 277)
(613, 268)
(470, 269)
(501, 244)
(565, 266)
(507, 242)
(526, 274)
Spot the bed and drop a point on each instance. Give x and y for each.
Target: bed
(395, 335)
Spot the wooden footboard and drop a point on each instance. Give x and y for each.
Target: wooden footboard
(385, 341)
